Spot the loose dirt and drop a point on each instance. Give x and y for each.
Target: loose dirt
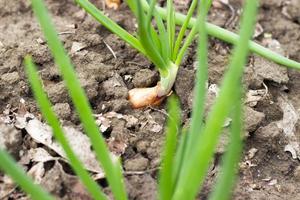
(270, 167)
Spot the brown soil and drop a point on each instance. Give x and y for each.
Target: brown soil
(267, 171)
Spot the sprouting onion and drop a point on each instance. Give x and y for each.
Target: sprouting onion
(225, 35)
(159, 44)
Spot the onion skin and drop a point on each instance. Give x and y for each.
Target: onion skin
(152, 96)
(143, 97)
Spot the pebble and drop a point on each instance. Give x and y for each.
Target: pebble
(10, 78)
(136, 164)
(63, 110)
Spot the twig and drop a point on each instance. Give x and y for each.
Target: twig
(110, 49)
(141, 172)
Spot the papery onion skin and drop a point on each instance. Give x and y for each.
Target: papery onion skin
(143, 97)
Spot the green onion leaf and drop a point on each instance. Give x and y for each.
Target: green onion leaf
(111, 168)
(194, 170)
(10, 167)
(171, 24)
(45, 106)
(166, 184)
(231, 159)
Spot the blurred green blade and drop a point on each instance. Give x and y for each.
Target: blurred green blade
(194, 170)
(166, 184)
(111, 168)
(226, 179)
(45, 106)
(10, 167)
(179, 156)
(199, 95)
(200, 86)
(111, 25)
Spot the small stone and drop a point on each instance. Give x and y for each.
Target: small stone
(293, 10)
(63, 110)
(79, 15)
(142, 146)
(10, 139)
(119, 105)
(270, 131)
(114, 88)
(40, 41)
(297, 173)
(77, 46)
(145, 78)
(252, 119)
(136, 164)
(57, 92)
(10, 78)
(268, 70)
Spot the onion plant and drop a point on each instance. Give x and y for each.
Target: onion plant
(163, 47)
(187, 153)
(159, 44)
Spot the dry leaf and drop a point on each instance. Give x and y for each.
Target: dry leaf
(116, 146)
(79, 142)
(254, 96)
(288, 125)
(36, 155)
(37, 172)
(76, 46)
(7, 186)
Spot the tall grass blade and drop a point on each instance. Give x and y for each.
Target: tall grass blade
(231, 159)
(45, 107)
(10, 167)
(111, 168)
(193, 172)
(166, 184)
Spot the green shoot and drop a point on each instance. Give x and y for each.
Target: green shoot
(201, 79)
(183, 28)
(147, 40)
(10, 167)
(53, 121)
(159, 45)
(171, 24)
(111, 168)
(166, 184)
(194, 169)
(191, 35)
(231, 159)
